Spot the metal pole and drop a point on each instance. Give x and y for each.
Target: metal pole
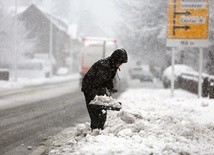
(15, 44)
(115, 42)
(104, 49)
(200, 72)
(172, 75)
(51, 47)
(1, 7)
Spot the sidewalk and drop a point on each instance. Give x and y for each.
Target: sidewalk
(24, 91)
(150, 122)
(11, 87)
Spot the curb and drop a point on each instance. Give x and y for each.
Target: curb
(41, 150)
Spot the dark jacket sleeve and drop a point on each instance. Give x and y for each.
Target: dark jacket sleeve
(109, 84)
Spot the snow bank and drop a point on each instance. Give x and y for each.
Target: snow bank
(150, 122)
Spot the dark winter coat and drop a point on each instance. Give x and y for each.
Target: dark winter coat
(99, 77)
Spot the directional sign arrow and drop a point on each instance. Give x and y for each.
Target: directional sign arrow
(186, 13)
(182, 27)
(183, 13)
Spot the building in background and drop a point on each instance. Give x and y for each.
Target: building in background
(37, 21)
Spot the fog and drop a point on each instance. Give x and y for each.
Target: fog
(139, 27)
(47, 46)
(104, 13)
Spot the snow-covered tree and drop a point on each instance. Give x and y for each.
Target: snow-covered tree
(142, 30)
(209, 54)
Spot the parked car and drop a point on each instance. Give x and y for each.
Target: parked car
(136, 72)
(178, 70)
(146, 77)
(211, 87)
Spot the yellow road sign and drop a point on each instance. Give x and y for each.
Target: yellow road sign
(188, 19)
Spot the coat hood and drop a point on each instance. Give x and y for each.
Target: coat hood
(119, 55)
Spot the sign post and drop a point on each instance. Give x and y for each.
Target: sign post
(172, 75)
(188, 27)
(200, 72)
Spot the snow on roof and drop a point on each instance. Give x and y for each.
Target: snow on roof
(61, 24)
(20, 9)
(57, 21)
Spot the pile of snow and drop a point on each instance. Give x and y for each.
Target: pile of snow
(106, 101)
(150, 123)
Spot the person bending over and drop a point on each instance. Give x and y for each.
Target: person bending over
(98, 80)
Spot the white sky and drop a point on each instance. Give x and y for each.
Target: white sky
(105, 13)
(104, 10)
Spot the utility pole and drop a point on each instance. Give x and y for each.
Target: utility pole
(51, 44)
(104, 48)
(15, 44)
(200, 80)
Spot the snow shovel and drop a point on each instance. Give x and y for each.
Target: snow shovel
(105, 103)
(105, 107)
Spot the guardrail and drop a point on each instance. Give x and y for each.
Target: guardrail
(189, 82)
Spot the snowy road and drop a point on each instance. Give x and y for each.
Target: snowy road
(31, 115)
(28, 118)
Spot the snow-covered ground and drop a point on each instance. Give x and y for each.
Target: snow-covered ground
(26, 82)
(24, 91)
(150, 122)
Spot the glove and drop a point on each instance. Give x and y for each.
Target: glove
(113, 90)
